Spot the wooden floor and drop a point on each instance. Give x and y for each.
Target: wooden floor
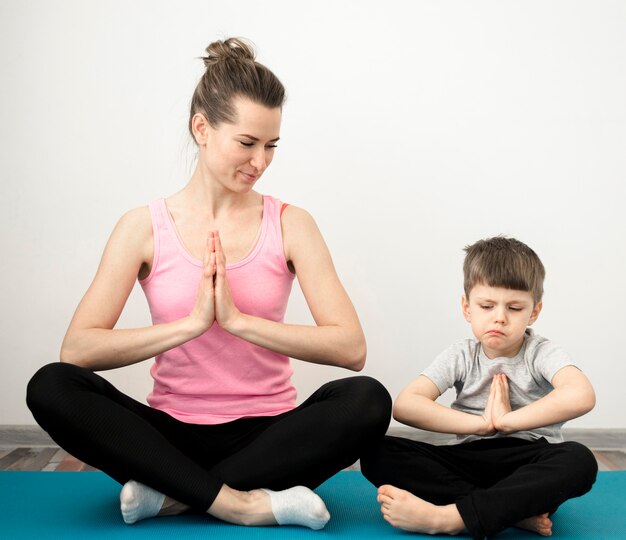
(26, 448)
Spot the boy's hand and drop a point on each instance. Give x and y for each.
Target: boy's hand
(488, 428)
(501, 404)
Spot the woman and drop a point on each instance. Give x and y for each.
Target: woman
(222, 433)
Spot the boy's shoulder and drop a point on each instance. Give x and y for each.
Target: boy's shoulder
(544, 357)
(465, 349)
(537, 345)
(452, 364)
(462, 353)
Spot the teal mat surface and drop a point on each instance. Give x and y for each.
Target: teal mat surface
(85, 505)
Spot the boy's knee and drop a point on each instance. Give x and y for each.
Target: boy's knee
(369, 461)
(583, 462)
(376, 459)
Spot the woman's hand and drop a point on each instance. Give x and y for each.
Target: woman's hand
(226, 313)
(203, 312)
(92, 341)
(335, 339)
(214, 301)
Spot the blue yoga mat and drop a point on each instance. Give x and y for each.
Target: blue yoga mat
(85, 505)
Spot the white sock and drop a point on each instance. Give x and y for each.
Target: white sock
(139, 502)
(298, 506)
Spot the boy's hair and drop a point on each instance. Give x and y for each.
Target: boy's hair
(503, 262)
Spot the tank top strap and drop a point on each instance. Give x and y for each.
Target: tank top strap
(274, 208)
(164, 237)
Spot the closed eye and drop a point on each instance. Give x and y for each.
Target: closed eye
(251, 144)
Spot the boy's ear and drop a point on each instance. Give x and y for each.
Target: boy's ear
(535, 314)
(465, 308)
(199, 128)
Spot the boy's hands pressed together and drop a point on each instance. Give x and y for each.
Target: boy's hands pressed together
(498, 406)
(487, 416)
(501, 405)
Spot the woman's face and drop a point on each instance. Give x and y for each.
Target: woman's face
(236, 154)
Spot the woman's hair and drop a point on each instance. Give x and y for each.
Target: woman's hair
(231, 71)
(503, 262)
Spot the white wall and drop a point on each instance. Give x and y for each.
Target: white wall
(411, 130)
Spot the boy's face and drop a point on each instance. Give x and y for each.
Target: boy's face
(499, 318)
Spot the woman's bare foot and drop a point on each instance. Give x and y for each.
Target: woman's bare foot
(242, 507)
(410, 513)
(172, 508)
(294, 506)
(541, 524)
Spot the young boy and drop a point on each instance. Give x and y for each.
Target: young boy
(515, 389)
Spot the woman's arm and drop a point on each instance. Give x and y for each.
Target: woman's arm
(92, 342)
(337, 338)
(415, 406)
(572, 396)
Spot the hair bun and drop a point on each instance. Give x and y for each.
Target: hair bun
(229, 49)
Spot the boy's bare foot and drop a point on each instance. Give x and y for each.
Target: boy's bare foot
(410, 513)
(541, 524)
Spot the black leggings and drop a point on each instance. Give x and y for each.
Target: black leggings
(494, 482)
(92, 420)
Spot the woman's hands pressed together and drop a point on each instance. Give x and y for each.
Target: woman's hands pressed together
(335, 339)
(226, 313)
(214, 302)
(204, 309)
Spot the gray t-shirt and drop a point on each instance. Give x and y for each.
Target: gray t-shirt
(465, 366)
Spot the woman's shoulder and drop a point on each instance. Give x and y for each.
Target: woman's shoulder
(134, 230)
(298, 226)
(302, 239)
(137, 220)
(296, 216)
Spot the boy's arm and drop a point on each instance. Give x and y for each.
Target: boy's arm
(415, 406)
(572, 396)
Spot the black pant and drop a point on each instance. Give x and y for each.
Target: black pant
(92, 420)
(494, 482)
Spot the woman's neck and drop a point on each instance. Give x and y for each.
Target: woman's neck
(208, 196)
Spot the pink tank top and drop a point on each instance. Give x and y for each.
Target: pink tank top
(217, 377)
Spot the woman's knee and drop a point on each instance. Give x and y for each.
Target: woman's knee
(48, 384)
(39, 384)
(361, 407)
(373, 403)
